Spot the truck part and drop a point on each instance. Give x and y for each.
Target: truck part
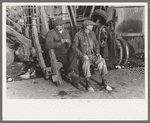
(9, 56)
(119, 52)
(126, 52)
(99, 16)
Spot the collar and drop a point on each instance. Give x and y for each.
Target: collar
(60, 32)
(84, 33)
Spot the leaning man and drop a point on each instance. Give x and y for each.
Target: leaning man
(86, 44)
(59, 39)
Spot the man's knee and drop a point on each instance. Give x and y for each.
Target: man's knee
(86, 61)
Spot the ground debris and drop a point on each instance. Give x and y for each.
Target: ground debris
(19, 71)
(137, 60)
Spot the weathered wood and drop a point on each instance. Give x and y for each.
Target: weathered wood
(93, 7)
(56, 73)
(22, 39)
(74, 26)
(131, 34)
(16, 25)
(37, 46)
(57, 76)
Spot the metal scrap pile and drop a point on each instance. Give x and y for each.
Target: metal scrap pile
(137, 60)
(20, 71)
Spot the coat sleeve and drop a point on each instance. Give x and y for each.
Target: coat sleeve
(96, 47)
(67, 34)
(50, 42)
(75, 44)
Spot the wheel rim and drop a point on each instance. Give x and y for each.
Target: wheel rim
(99, 35)
(126, 52)
(119, 52)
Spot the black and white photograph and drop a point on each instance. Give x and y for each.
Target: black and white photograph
(65, 57)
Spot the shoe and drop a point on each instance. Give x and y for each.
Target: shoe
(75, 79)
(90, 89)
(107, 87)
(78, 86)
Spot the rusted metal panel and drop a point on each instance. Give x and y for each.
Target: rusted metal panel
(130, 25)
(130, 20)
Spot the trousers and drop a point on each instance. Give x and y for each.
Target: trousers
(101, 66)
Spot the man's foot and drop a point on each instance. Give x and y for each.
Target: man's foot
(107, 87)
(75, 79)
(79, 86)
(90, 89)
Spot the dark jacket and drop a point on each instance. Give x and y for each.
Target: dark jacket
(53, 37)
(80, 39)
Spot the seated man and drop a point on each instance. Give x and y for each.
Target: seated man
(59, 40)
(86, 44)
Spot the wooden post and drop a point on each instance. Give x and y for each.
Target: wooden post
(93, 7)
(56, 73)
(38, 49)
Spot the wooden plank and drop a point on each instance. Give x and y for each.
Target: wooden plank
(22, 39)
(57, 76)
(37, 46)
(56, 73)
(131, 34)
(93, 7)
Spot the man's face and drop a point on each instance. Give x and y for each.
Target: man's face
(60, 27)
(89, 27)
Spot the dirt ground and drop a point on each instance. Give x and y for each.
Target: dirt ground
(126, 84)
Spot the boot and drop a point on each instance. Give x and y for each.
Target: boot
(75, 79)
(106, 86)
(88, 88)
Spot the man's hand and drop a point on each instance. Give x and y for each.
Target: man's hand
(62, 41)
(98, 55)
(86, 57)
(67, 41)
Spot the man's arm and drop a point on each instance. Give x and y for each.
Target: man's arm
(75, 44)
(67, 39)
(50, 42)
(97, 47)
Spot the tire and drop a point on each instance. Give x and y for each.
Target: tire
(119, 52)
(99, 35)
(98, 13)
(126, 51)
(9, 56)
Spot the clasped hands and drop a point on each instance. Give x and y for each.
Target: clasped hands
(98, 55)
(67, 41)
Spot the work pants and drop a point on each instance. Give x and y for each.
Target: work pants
(101, 66)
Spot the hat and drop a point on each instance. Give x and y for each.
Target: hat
(59, 21)
(88, 22)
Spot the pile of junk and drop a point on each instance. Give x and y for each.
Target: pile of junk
(26, 27)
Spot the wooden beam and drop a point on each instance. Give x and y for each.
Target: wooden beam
(130, 34)
(56, 77)
(21, 38)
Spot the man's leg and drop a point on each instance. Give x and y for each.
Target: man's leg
(72, 70)
(87, 73)
(103, 72)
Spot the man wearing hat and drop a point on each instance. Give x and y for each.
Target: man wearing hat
(86, 43)
(59, 39)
